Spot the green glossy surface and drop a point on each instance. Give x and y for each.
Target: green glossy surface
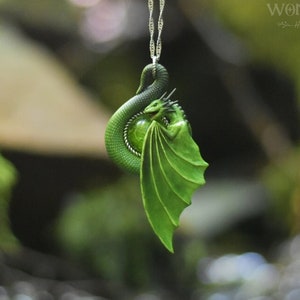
(151, 137)
(172, 169)
(152, 86)
(137, 130)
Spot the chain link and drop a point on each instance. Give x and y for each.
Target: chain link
(155, 49)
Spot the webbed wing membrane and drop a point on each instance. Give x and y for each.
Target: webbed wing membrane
(171, 170)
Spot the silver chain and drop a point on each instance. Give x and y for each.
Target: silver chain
(155, 49)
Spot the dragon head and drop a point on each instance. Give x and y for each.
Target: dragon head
(159, 108)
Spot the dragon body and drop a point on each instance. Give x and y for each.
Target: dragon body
(120, 147)
(150, 135)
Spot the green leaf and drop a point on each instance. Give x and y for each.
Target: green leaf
(7, 179)
(171, 170)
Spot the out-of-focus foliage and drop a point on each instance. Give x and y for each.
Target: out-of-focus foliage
(8, 176)
(55, 14)
(266, 27)
(269, 30)
(107, 229)
(104, 228)
(110, 82)
(283, 180)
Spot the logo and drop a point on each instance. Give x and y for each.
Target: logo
(284, 9)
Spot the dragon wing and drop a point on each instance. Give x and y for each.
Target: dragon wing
(171, 170)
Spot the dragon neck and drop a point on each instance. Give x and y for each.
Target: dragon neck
(153, 83)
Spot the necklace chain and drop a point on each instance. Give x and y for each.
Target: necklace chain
(155, 49)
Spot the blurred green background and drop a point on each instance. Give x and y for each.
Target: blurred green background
(72, 225)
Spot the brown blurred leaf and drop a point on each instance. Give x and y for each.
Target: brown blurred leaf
(42, 109)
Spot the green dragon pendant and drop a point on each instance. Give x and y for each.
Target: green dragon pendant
(149, 135)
